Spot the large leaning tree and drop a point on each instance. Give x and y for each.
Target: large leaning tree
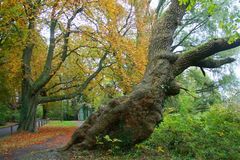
(132, 118)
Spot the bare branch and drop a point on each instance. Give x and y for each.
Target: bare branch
(58, 98)
(42, 79)
(126, 22)
(189, 33)
(187, 22)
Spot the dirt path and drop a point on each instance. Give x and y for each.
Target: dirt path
(57, 141)
(51, 143)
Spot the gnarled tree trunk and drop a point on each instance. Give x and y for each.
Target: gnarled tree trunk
(132, 118)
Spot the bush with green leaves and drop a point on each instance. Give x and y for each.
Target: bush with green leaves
(2, 114)
(213, 134)
(6, 114)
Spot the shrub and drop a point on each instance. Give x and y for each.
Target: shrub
(8, 115)
(211, 135)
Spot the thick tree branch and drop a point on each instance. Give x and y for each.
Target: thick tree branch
(82, 86)
(40, 82)
(58, 98)
(27, 53)
(163, 30)
(211, 63)
(201, 52)
(48, 72)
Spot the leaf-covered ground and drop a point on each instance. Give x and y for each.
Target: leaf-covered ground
(213, 135)
(53, 135)
(35, 146)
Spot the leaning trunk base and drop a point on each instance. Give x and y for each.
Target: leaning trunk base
(126, 121)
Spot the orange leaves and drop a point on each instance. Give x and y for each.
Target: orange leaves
(119, 28)
(24, 139)
(110, 7)
(122, 30)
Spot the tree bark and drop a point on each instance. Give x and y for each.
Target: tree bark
(28, 98)
(28, 112)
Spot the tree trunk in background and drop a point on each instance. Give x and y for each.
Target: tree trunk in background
(44, 106)
(28, 121)
(45, 111)
(28, 110)
(29, 100)
(133, 118)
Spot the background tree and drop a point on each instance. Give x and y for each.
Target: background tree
(83, 40)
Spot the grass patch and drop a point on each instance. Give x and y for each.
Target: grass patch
(62, 124)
